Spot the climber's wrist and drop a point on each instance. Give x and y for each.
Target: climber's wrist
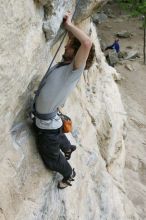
(69, 26)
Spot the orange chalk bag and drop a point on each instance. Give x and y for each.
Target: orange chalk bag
(67, 123)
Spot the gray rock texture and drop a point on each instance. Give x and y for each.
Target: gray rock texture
(99, 18)
(124, 34)
(85, 8)
(53, 14)
(132, 55)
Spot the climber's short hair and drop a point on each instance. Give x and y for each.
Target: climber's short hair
(76, 44)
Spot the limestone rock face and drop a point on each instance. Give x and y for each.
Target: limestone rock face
(28, 190)
(53, 14)
(85, 8)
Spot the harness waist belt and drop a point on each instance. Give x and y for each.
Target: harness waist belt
(45, 116)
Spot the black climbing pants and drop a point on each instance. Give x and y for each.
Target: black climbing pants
(49, 143)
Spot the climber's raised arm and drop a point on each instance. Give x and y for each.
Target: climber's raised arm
(85, 42)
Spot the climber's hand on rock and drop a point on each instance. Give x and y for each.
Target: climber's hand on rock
(67, 19)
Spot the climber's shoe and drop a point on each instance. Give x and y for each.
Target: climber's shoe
(68, 153)
(65, 183)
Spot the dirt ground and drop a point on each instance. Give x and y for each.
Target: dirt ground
(135, 80)
(133, 93)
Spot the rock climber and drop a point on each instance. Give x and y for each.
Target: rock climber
(54, 147)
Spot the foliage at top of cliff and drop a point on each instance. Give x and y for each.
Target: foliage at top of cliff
(135, 6)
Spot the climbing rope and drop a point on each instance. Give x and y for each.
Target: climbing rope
(62, 39)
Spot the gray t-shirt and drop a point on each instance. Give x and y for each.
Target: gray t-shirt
(57, 88)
